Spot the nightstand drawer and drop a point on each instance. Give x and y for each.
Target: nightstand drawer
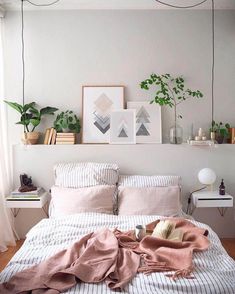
(212, 199)
(213, 202)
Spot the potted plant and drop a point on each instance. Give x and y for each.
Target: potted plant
(219, 131)
(30, 118)
(171, 92)
(67, 121)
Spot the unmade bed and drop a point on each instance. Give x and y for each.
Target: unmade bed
(214, 270)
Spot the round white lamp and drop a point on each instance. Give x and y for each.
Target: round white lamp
(207, 176)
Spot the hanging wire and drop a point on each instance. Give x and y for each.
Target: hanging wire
(48, 4)
(213, 44)
(159, 1)
(184, 7)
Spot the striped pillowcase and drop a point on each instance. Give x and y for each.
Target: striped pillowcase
(138, 181)
(87, 174)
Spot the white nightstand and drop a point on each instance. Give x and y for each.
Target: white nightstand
(16, 204)
(212, 199)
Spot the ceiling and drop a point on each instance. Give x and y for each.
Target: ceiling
(114, 4)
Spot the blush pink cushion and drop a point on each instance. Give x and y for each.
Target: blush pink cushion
(90, 199)
(163, 201)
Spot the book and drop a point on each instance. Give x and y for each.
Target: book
(50, 136)
(66, 134)
(47, 133)
(35, 192)
(53, 140)
(165, 229)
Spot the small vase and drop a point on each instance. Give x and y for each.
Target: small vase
(176, 134)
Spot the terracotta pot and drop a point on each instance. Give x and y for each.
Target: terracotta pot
(30, 138)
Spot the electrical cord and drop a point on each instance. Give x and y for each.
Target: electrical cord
(190, 197)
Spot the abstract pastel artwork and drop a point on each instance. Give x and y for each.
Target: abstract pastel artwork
(98, 103)
(122, 127)
(148, 122)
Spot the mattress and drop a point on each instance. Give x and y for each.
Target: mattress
(214, 271)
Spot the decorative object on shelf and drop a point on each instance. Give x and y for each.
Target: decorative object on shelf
(123, 127)
(201, 143)
(207, 176)
(26, 184)
(222, 188)
(148, 122)
(30, 118)
(66, 138)
(172, 92)
(67, 121)
(231, 138)
(98, 102)
(219, 131)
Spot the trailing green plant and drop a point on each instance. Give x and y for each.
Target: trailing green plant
(220, 128)
(67, 120)
(170, 91)
(30, 116)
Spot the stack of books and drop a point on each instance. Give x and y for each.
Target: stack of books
(32, 195)
(50, 136)
(66, 138)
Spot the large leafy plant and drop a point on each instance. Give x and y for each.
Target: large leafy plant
(170, 91)
(67, 120)
(30, 116)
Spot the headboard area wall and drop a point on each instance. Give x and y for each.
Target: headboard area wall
(182, 160)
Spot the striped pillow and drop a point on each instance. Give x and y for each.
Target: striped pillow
(79, 175)
(148, 181)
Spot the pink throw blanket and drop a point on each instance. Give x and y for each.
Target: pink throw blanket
(113, 257)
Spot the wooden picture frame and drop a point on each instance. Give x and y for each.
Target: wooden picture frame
(97, 104)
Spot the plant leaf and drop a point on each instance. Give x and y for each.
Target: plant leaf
(48, 110)
(15, 106)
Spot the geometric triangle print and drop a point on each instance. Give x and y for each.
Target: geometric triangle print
(142, 131)
(122, 134)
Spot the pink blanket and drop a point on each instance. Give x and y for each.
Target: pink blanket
(113, 257)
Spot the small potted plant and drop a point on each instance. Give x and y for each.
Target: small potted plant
(170, 91)
(30, 118)
(219, 131)
(67, 121)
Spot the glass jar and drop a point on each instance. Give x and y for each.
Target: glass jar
(176, 134)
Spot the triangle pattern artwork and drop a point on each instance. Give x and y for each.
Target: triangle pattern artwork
(123, 133)
(101, 113)
(142, 121)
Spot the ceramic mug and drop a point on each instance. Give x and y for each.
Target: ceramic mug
(140, 232)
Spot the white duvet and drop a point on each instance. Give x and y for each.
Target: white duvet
(214, 270)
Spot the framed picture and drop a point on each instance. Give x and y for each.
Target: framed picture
(122, 127)
(148, 122)
(98, 102)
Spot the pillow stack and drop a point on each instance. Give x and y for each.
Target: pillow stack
(84, 187)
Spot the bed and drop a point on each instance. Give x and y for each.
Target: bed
(214, 270)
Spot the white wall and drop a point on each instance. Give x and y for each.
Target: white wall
(68, 49)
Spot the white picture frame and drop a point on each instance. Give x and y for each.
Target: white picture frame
(148, 121)
(97, 104)
(122, 127)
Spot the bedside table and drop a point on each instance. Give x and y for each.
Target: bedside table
(212, 199)
(16, 204)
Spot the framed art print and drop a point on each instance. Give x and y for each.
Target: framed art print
(122, 127)
(148, 122)
(98, 103)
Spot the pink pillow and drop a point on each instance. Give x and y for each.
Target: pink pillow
(90, 199)
(163, 201)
